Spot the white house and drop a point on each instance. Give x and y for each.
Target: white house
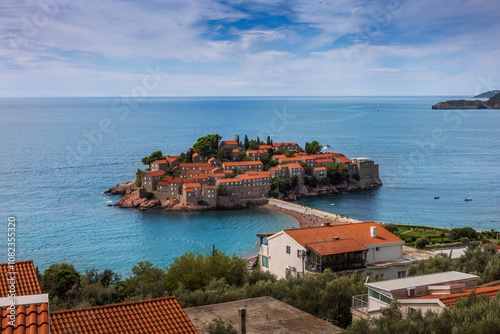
(342, 248)
(427, 292)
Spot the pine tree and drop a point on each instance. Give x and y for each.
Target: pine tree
(258, 140)
(189, 156)
(268, 140)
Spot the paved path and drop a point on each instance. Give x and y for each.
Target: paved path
(305, 210)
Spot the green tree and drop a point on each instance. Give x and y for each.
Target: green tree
(422, 242)
(246, 143)
(219, 326)
(207, 146)
(189, 156)
(391, 227)
(308, 169)
(268, 142)
(464, 232)
(337, 173)
(62, 282)
(153, 157)
(195, 271)
(138, 177)
(145, 282)
(313, 147)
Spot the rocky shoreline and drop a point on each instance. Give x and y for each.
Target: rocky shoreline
(132, 197)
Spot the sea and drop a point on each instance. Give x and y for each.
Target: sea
(58, 156)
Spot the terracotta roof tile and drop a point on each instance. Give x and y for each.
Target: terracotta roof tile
(192, 185)
(344, 159)
(26, 279)
(156, 173)
(192, 172)
(209, 187)
(228, 142)
(265, 147)
(242, 163)
(340, 246)
(161, 161)
(294, 165)
(358, 231)
(30, 318)
(450, 299)
(192, 164)
(235, 150)
(161, 315)
(234, 179)
(319, 168)
(323, 160)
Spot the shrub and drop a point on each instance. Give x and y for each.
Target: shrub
(391, 227)
(219, 326)
(422, 242)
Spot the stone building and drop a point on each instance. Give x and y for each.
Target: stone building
(149, 178)
(243, 166)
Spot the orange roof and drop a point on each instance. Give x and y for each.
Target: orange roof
(199, 164)
(359, 232)
(192, 185)
(195, 155)
(211, 159)
(192, 172)
(340, 246)
(256, 151)
(26, 279)
(450, 299)
(263, 147)
(228, 142)
(157, 173)
(284, 144)
(253, 177)
(171, 158)
(30, 318)
(188, 180)
(160, 315)
(276, 168)
(227, 171)
(242, 163)
(202, 176)
(163, 183)
(325, 155)
(161, 161)
(218, 175)
(291, 159)
(209, 187)
(295, 165)
(320, 168)
(170, 179)
(344, 159)
(323, 160)
(279, 156)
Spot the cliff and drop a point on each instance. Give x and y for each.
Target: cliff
(305, 191)
(492, 103)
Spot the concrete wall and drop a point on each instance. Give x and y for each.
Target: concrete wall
(279, 260)
(384, 253)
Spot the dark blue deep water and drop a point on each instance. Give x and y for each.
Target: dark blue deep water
(58, 155)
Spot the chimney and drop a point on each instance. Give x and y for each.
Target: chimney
(327, 223)
(336, 238)
(243, 320)
(373, 231)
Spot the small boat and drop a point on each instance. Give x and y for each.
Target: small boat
(436, 197)
(468, 199)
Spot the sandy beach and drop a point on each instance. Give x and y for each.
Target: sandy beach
(307, 217)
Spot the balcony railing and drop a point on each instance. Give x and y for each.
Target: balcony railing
(264, 250)
(360, 303)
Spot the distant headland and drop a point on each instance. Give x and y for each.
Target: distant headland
(216, 174)
(492, 103)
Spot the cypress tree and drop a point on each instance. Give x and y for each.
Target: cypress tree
(246, 144)
(268, 140)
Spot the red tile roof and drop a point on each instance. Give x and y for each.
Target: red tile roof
(161, 315)
(358, 231)
(325, 155)
(218, 175)
(234, 179)
(279, 156)
(192, 172)
(242, 163)
(26, 279)
(192, 185)
(340, 246)
(170, 179)
(276, 168)
(209, 187)
(291, 159)
(265, 147)
(156, 173)
(344, 159)
(161, 161)
(199, 164)
(294, 165)
(195, 155)
(450, 299)
(320, 168)
(171, 158)
(229, 142)
(256, 151)
(30, 318)
(323, 160)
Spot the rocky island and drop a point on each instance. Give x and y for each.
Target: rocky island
(234, 174)
(492, 103)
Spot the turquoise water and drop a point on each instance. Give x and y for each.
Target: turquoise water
(58, 155)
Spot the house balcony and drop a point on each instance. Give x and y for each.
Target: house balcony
(359, 307)
(264, 250)
(351, 265)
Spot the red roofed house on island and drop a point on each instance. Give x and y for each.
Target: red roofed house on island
(243, 166)
(228, 143)
(149, 178)
(287, 147)
(345, 248)
(159, 164)
(433, 292)
(344, 160)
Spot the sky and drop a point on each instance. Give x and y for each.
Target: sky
(248, 47)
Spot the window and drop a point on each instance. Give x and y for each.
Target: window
(299, 253)
(288, 250)
(265, 262)
(402, 274)
(377, 248)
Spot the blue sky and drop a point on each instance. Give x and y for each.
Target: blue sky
(251, 47)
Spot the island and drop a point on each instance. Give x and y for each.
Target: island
(233, 174)
(492, 103)
(487, 95)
